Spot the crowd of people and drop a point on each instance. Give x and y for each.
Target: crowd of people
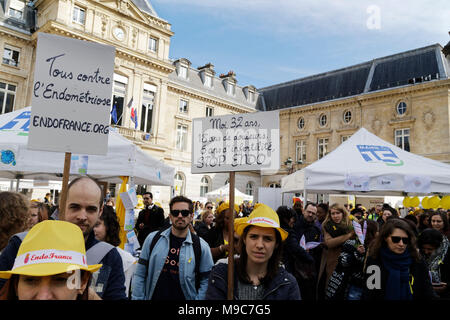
(310, 251)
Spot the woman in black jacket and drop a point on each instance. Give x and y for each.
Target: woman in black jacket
(295, 259)
(394, 269)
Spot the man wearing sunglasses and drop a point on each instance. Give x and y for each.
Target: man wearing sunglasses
(168, 268)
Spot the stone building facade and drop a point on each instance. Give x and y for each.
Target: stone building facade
(166, 94)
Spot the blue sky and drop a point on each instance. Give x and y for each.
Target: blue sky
(266, 42)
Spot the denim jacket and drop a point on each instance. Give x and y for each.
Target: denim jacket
(145, 278)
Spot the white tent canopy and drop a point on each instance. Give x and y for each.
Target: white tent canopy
(294, 182)
(124, 158)
(366, 164)
(223, 193)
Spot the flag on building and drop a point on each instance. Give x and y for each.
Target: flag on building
(130, 103)
(134, 117)
(114, 113)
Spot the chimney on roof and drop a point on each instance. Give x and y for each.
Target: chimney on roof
(446, 49)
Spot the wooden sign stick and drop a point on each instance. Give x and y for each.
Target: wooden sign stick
(65, 182)
(231, 240)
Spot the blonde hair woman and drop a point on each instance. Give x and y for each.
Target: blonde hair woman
(337, 228)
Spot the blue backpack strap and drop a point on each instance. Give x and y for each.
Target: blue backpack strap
(97, 252)
(155, 239)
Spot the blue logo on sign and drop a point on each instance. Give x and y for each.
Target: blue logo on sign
(383, 154)
(8, 157)
(22, 120)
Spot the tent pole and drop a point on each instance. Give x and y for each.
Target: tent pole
(11, 185)
(231, 240)
(17, 184)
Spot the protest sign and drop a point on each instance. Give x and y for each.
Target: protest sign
(241, 142)
(71, 95)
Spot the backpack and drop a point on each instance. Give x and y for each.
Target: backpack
(197, 254)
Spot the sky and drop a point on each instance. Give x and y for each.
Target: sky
(267, 42)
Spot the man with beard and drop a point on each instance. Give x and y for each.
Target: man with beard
(174, 263)
(150, 219)
(84, 205)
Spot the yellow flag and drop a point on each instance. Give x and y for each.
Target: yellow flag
(120, 212)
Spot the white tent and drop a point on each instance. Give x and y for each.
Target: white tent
(366, 164)
(223, 193)
(124, 158)
(294, 182)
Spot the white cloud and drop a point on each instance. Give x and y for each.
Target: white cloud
(327, 16)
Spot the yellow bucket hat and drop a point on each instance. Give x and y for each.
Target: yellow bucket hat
(225, 206)
(51, 247)
(261, 216)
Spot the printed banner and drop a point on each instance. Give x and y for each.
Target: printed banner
(417, 184)
(356, 183)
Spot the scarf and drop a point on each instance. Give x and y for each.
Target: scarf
(336, 229)
(397, 265)
(434, 261)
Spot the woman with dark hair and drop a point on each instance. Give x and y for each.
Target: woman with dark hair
(387, 212)
(437, 258)
(336, 229)
(258, 274)
(14, 215)
(218, 237)
(107, 229)
(296, 260)
(424, 221)
(439, 221)
(394, 269)
(347, 280)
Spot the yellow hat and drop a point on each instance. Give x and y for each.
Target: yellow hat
(261, 216)
(226, 205)
(51, 247)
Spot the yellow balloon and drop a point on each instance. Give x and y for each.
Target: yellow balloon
(414, 202)
(433, 202)
(425, 203)
(406, 201)
(445, 202)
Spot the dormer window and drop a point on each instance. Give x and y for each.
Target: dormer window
(16, 9)
(229, 82)
(182, 67)
(231, 89)
(207, 73)
(250, 93)
(208, 81)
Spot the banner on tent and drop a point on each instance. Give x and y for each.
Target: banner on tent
(8, 156)
(356, 183)
(417, 184)
(236, 143)
(71, 95)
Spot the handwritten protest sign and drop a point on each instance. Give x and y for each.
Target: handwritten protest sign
(308, 245)
(71, 95)
(360, 233)
(241, 142)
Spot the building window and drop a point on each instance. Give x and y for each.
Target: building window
(301, 123)
(402, 139)
(249, 188)
(11, 57)
(147, 109)
(183, 107)
(300, 151)
(231, 89)
(204, 186)
(78, 15)
(16, 9)
(152, 44)
(181, 137)
(209, 111)
(208, 81)
(323, 120)
(347, 116)
(119, 89)
(179, 184)
(7, 97)
(322, 147)
(182, 72)
(274, 185)
(401, 108)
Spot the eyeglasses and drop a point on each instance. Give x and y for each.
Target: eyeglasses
(209, 207)
(184, 213)
(397, 239)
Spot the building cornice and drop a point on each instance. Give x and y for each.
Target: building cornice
(57, 28)
(366, 97)
(233, 106)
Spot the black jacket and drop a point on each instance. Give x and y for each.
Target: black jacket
(419, 280)
(153, 220)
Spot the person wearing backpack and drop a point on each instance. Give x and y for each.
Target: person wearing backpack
(174, 263)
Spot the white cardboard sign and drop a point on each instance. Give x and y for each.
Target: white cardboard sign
(241, 142)
(71, 95)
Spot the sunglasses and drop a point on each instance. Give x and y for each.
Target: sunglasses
(397, 239)
(209, 207)
(184, 213)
